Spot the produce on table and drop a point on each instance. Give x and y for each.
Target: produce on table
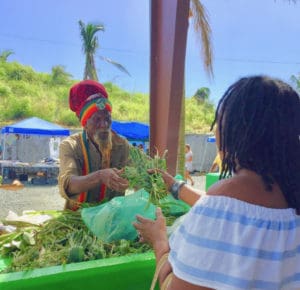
(63, 239)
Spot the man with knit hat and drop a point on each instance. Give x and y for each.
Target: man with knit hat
(91, 161)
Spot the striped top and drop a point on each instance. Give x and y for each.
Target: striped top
(224, 243)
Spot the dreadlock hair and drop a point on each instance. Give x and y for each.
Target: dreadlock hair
(258, 122)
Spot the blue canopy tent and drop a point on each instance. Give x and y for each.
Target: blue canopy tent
(211, 139)
(33, 126)
(132, 130)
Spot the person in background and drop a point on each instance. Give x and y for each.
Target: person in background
(141, 147)
(91, 161)
(217, 164)
(188, 164)
(245, 232)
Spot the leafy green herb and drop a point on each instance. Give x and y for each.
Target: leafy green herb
(63, 239)
(138, 177)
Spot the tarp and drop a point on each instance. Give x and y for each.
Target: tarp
(211, 139)
(35, 126)
(132, 130)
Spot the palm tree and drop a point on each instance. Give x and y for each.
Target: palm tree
(296, 81)
(5, 54)
(200, 21)
(116, 64)
(89, 46)
(59, 76)
(202, 95)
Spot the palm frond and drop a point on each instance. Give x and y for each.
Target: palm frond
(201, 26)
(5, 54)
(116, 64)
(88, 35)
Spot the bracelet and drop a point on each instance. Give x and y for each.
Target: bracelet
(176, 187)
(163, 260)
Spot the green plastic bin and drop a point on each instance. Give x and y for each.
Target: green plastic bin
(210, 179)
(134, 272)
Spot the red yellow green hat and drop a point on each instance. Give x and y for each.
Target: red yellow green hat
(86, 98)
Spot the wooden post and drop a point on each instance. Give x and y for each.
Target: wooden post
(169, 25)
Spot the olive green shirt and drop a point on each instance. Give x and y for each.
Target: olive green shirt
(72, 161)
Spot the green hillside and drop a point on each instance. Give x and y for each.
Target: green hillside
(25, 93)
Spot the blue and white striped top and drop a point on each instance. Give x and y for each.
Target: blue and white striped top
(224, 243)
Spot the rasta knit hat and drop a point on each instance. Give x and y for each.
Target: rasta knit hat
(86, 98)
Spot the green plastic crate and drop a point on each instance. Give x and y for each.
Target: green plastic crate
(210, 179)
(134, 272)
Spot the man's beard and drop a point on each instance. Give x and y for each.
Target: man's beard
(104, 146)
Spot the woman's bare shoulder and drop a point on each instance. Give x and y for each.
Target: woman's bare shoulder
(243, 187)
(249, 188)
(236, 188)
(223, 187)
(242, 183)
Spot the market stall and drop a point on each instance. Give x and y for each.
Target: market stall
(35, 173)
(136, 133)
(31, 140)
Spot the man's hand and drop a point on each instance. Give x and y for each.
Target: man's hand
(111, 177)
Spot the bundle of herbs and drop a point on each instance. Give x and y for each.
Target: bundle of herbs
(63, 239)
(138, 177)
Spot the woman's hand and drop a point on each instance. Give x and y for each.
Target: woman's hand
(168, 178)
(153, 232)
(111, 177)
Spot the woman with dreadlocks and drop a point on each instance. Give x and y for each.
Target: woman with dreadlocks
(245, 232)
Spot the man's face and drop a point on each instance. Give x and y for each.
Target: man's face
(99, 125)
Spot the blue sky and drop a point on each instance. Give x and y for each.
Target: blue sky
(248, 37)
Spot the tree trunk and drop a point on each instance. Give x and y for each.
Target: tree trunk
(181, 147)
(90, 72)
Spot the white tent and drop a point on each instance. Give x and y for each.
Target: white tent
(31, 140)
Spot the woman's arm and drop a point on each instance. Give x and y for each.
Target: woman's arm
(213, 167)
(178, 284)
(188, 194)
(154, 232)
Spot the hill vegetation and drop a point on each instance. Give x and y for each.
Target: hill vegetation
(25, 93)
